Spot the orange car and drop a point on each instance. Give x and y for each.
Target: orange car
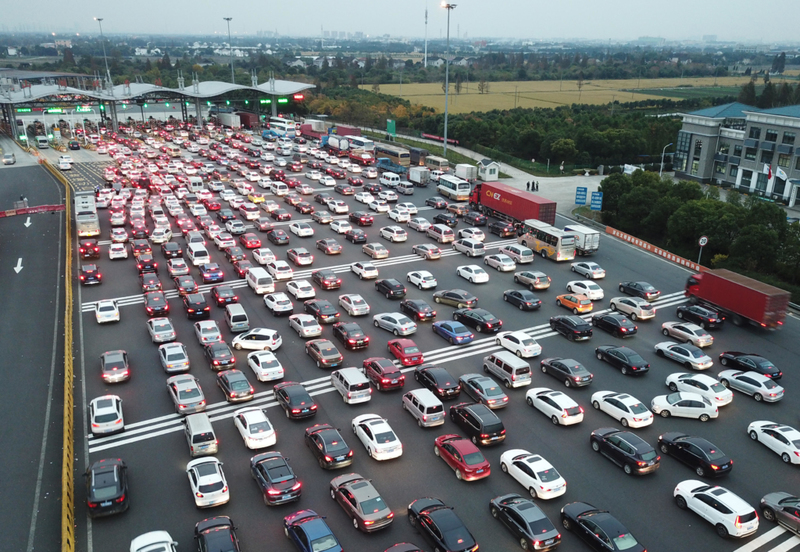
(577, 303)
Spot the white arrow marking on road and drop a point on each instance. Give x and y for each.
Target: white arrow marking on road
(28, 222)
(19, 265)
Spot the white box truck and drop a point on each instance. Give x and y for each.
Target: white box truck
(467, 172)
(587, 240)
(231, 120)
(420, 176)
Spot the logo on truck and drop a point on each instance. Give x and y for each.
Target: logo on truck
(493, 195)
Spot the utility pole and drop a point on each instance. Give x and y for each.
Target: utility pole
(449, 8)
(230, 47)
(425, 60)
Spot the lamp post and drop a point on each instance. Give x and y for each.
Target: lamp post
(103, 40)
(230, 47)
(662, 159)
(449, 8)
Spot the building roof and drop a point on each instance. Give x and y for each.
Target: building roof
(733, 110)
(487, 162)
(787, 111)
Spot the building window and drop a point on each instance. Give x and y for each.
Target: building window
(766, 156)
(750, 154)
(680, 162)
(761, 182)
(755, 133)
(684, 140)
(797, 165)
(747, 178)
(698, 148)
(719, 167)
(779, 187)
(695, 166)
(737, 150)
(724, 148)
(771, 135)
(734, 170)
(788, 138)
(784, 160)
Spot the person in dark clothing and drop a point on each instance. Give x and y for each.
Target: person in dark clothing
(528, 186)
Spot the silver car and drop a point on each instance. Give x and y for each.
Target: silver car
(589, 270)
(354, 304)
(783, 509)
(534, 279)
(419, 224)
(502, 263)
(761, 387)
(305, 325)
(174, 357)
(427, 251)
(684, 353)
(186, 394)
(395, 322)
(161, 330)
(634, 307)
(207, 331)
(690, 333)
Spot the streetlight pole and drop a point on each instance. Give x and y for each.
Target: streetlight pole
(230, 47)
(449, 8)
(103, 40)
(662, 159)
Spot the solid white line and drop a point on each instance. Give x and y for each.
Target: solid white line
(787, 545)
(762, 540)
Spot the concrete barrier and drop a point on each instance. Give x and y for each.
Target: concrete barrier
(633, 240)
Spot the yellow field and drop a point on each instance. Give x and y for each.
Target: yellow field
(529, 94)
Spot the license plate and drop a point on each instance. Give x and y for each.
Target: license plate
(495, 438)
(305, 410)
(106, 503)
(339, 458)
(479, 471)
(394, 381)
(650, 463)
(725, 467)
(414, 358)
(549, 541)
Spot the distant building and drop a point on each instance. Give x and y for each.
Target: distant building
(709, 38)
(436, 62)
(12, 51)
(488, 170)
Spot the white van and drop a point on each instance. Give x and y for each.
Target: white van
(389, 179)
(200, 435)
(195, 237)
(442, 233)
(352, 385)
(198, 254)
(42, 142)
(405, 188)
(514, 371)
(196, 184)
(425, 407)
(260, 280)
(236, 317)
(280, 189)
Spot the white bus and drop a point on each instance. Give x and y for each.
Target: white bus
(437, 163)
(361, 143)
(283, 127)
(453, 188)
(86, 219)
(547, 240)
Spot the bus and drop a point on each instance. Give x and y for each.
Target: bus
(437, 163)
(283, 127)
(453, 188)
(399, 156)
(86, 219)
(418, 156)
(547, 240)
(361, 143)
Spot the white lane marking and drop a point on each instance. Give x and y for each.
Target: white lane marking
(27, 222)
(18, 268)
(787, 545)
(762, 540)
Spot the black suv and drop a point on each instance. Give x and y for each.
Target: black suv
(449, 219)
(572, 327)
(89, 249)
(275, 478)
(90, 274)
(438, 380)
(361, 218)
(351, 335)
(224, 295)
(478, 421)
(196, 306)
(502, 229)
(107, 487)
(328, 446)
(703, 317)
(627, 450)
(475, 218)
(391, 288)
(146, 263)
(155, 303)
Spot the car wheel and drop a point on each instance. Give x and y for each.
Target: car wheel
(594, 321)
(721, 531)
(624, 370)
(758, 397)
(319, 364)
(474, 440)
(569, 289)
(665, 331)
(494, 512)
(436, 450)
(680, 502)
(436, 300)
(622, 289)
(613, 306)
(624, 422)
(451, 341)
(673, 387)
(567, 383)
(566, 523)
(505, 298)
(503, 467)
(575, 310)
(723, 361)
(287, 413)
(458, 475)
(633, 316)
(663, 448)
(395, 332)
(664, 413)
(680, 315)
(595, 446)
(412, 520)
(786, 458)
(627, 469)
(554, 419)
(700, 471)
(360, 276)
(570, 337)
(769, 514)
(523, 543)
(596, 405)
(455, 316)
(724, 382)
(704, 417)
(486, 368)
(472, 280)
(388, 295)
(558, 302)
(479, 328)
(419, 285)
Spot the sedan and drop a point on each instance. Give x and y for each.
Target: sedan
(326, 279)
(615, 324)
(351, 335)
(278, 303)
(462, 456)
(438, 380)
(177, 267)
(208, 483)
(301, 229)
(259, 339)
(482, 320)
(308, 530)
(356, 235)
(533, 279)
(114, 366)
(329, 246)
(390, 288)
(324, 353)
(702, 384)
(185, 285)
(589, 270)
(781, 439)
(340, 226)
(440, 526)
(395, 322)
(688, 333)
(173, 357)
(598, 528)
(105, 415)
(687, 355)
(427, 251)
(703, 317)
(305, 325)
(106, 310)
(219, 355)
(628, 361)
(195, 305)
(354, 304)
(534, 473)
(280, 270)
(484, 390)
(361, 218)
(417, 309)
(519, 343)
(472, 233)
(454, 332)
(275, 478)
(699, 454)
(300, 256)
(406, 351)
(502, 229)
(377, 436)
(419, 224)
(224, 295)
(526, 521)
(265, 365)
(783, 509)
(375, 250)
(761, 387)
(361, 502)
(186, 394)
(685, 405)
(523, 299)
(250, 241)
(278, 236)
(640, 289)
(751, 362)
(557, 406)
(383, 374)
(473, 273)
(161, 330)
(327, 445)
(107, 488)
(500, 262)
(456, 298)
(623, 407)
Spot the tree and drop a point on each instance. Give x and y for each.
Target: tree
(733, 197)
(580, 86)
(165, 63)
(748, 251)
(747, 95)
(768, 96)
(482, 86)
(69, 58)
(784, 95)
(564, 149)
(458, 84)
(790, 253)
(614, 187)
(779, 63)
(376, 88)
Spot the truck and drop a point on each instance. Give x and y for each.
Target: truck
(229, 120)
(511, 204)
(361, 157)
(587, 240)
(248, 120)
(337, 145)
(386, 164)
(343, 130)
(308, 132)
(419, 176)
(739, 298)
(467, 172)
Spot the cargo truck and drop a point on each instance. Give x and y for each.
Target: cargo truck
(739, 298)
(248, 120)
(229, 120)
(337, 145)
(508, 203)
(587, 240)
(419, 176)
(386, 164)
(467, 172)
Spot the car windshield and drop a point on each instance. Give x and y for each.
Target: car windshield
(638, 408)
(385, 437)
(493, 391)
(323, 543)
(548, 475)
(106, 308)
(696, 353)
(647, 456)
(474, 458)
(373, 505)
(175, 356)
(624, 541)
(764, 364)
(239, 385)
(105, 491)
(585, 302)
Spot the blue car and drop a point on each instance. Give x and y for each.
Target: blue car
(454, 332)
(211, 273)
(309, 532)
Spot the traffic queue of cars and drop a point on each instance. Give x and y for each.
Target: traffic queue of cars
(692, 394)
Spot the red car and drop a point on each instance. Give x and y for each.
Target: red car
(463, 456)
(250, 241)
(406, 351)
(383, 374)
(296, 167)
(355, 181)
(212, 204)
(292, 182)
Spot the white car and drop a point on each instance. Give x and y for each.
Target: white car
(302, 229)
(387, 195)
(278, 303)
(702, 384)
(235, 227)
(341, 226)
(534, 473)
(313, 175)
(354, 304)
(636, 308)
(259, 339)
(683, 353)
(197, 209)
(301, 289)
(471, 233)
(327, 181)
(106, 310)
(224, 240)
(160, 235)
(280, 270)
(761, 387)
(593, 271)
(395, 322)
(623, 407)
(377, 436)
(207, 331)
(64, 165)
(270, 205)
(500, 262)
(557, 406)
(398, 215)
(354, 168)
(371, 172)
(263, 255)
(177, 267)
(419, 224)
(174, 357)
(393, 234)
(255, 428)
(105, 415)
(207, 481)
(781, 439)
(227, 194)
(519, 343)
(728, 513)
(364, 270)
(305, 325)
(684, 405)
(689, 333)
(408, 206)
(265, 365)
(379, 206)
(587, 288)
(473, 273)
(364, 197)
(422, 279)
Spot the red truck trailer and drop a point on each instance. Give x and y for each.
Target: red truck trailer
(739, 298)
(508, 203)
(249, 120)
(308, 132)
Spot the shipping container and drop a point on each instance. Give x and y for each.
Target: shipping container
(248, 120)
(308, 132)
(343, 130)
(467, 172)
(229, 120)
(508, 203)
(420, 176)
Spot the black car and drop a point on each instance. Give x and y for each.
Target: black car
(697, 453)
(322, 310)
(627, 450)
(196, 306)
(479, 422)
(703, 317)
(211, 272)
(326, 279)
(281, 215)
(171, 250)
(417, 309)
(150, 282)
(224, 295)
(750, 362)
(139, 247)
(155, 303)
(627, 360)
(502, 229)
(146, 263)
(278, 236)
(275, 478)
(458, 298)
(390, 288)
(304, 208)
(224, 215)
(107, 487)
(235, 385)
(264, 224)
(216, 534)
(219, 355)
(90, 274)
(88, 249)
(598, 528)
(343, 188)
(361, 218)
(185, 285)
(328, 446)
(383, 373)
(356, 235)
(372, 188)
(351, 335)
(523, 299)
(526, 521)
(474, 218)
(570, 371)
(572, 327)
(438, 380)
(640, 289)
(74, 145)
(235, 253)
(295, 400)
(440, 526)
(482, 320)
(449, 219)
(436, 202)
(615, 323)
(323, 198)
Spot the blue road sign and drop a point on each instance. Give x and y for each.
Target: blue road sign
(580, 195)
(597, 201)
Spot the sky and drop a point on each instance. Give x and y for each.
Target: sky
(615, 20)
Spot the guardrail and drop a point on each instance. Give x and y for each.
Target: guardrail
(31, 210)
(640, 243)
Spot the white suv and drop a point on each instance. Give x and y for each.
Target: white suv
(729, 514)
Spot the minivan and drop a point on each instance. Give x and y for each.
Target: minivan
(425, 407)
(236, 317)
(352, 385)
(196, 184)
(519, 253)
(405, 188)
(300, 158)
(514, 371)
(198, 254)
(195, 237)
(260, 280)
(442, 233)
(280, 189)
(42, 142)
(200, 435)
(389, 179)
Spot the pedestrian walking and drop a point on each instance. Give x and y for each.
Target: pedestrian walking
(537, 185)
(528, 185)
